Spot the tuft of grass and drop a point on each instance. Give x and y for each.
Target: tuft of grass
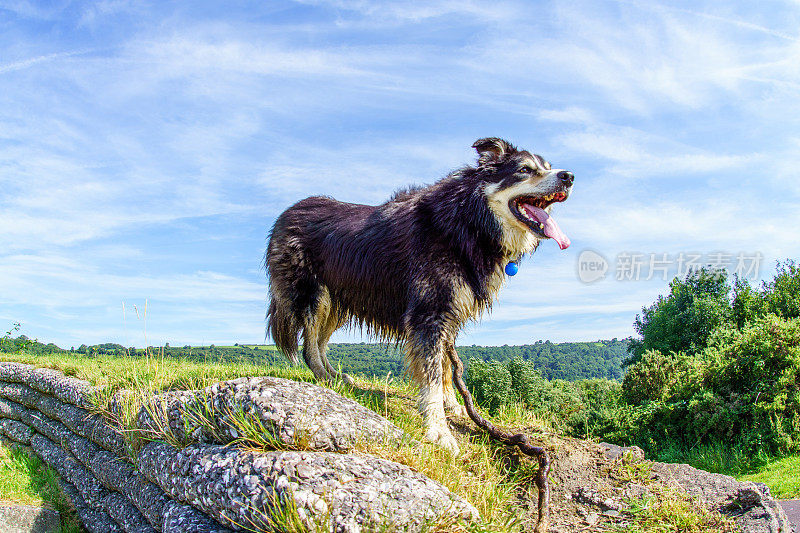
(26, 480)
(666, 509)
(781, 476)
(672, 511)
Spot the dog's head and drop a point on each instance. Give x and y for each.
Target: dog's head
(521, 189)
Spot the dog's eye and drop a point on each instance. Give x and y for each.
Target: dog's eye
(526, 170)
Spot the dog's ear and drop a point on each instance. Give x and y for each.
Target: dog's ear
(492, 149)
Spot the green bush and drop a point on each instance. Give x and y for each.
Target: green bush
(744, 388)
(599, 412)
(780, 297)
(490, 383)
(752, 384)
(683, 320)
(659, 377)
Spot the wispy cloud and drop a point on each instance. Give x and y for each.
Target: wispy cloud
(145, 149)
(26, 63)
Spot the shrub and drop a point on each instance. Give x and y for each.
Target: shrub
(683, 320)
(743, 389)
(490, 384)
(753, 385)
(660, 377)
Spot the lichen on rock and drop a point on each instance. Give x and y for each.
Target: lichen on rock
(284, 413)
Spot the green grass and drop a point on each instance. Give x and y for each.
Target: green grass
(779, 474)
(722, 458)
(782, 476)
(25, 479)
(114, 372)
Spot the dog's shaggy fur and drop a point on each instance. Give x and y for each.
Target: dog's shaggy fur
(414, 269)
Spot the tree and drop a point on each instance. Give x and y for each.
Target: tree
(782, 294)
(683, 320)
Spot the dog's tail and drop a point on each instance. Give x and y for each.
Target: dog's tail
(284, 330)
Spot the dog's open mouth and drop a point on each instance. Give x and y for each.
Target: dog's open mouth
(531, 211)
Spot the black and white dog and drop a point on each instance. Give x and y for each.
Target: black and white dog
(414, 269)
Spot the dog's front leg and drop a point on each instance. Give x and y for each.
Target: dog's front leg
(425, 364)
(450, 399)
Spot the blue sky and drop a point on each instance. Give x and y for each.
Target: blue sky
(147, 147)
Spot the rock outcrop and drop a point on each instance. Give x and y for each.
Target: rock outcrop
(193, 464)
(205, 484)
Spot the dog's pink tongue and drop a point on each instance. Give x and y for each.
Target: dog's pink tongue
(551, 228)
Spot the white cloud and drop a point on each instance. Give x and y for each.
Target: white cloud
(676, 121)
(26, 63)
(639, 59)
(416, 11)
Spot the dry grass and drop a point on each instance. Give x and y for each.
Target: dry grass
(666, 509)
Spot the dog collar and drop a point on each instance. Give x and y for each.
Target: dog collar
(512, 268)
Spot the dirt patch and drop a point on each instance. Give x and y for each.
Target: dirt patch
(602, 487)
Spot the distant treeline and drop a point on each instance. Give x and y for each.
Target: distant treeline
(569, 361)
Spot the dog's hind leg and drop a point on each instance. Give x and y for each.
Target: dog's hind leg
(311, 353)
(329, 322)
(314, 322)
(450, 399)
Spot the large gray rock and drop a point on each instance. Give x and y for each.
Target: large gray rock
(236, 487)
(337, 492)
(67, 389)
(749, 504)
(28, 519)
(94, 521)
(295, 415)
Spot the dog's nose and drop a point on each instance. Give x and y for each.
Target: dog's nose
(566, 177)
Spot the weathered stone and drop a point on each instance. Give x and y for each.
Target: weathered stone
(92, 492)
(613, 452)
(179, 518)
(94, 521)
(67, 389)
(16, 431)
(294, 414)
(28, 519)
(237, 487)
(749, 504)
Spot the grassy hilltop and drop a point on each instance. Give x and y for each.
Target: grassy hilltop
(493, 478)
(713, 381)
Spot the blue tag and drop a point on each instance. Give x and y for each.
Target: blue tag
(512, 268)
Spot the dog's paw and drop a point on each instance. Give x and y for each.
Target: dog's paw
(439, 434)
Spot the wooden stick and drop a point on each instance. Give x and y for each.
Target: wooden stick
(520, 440)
